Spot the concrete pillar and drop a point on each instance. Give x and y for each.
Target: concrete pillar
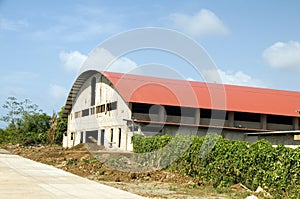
(230, 118)
(84, 137)
(296, 123)
(263, 121)
(126, 141)
(161, 114)
(130, 106)
(130, 112)
(197, 116)
(98, 138)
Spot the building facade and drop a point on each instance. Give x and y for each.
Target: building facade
(107, 108)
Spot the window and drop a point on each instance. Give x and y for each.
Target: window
(111, 106)
(213, 114)
(72, 136)
(250, 117)
(92, 110)
(180, 111)
(278, 119)
(85, 112)
(141, 108)
(91, 136)
(100, 109)
(93, 91)
(173, 110)
(205, 113)
(219, 114)
(77, 114)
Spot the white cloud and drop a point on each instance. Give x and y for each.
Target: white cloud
(283, 55)
(190, 79)
(72, 61)
(6, 24)
(203, 23)
(123, 64)
(234, 78)
(58, 92)
(102, 59)
(98, 59)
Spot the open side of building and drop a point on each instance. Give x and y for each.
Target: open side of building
(107, 108)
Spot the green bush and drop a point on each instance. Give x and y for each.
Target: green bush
(3, 136)
(223, 162)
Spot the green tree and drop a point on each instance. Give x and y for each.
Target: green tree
(37, 122)
(26, 122)
(3, 136)
(18, 110)
(62, 125)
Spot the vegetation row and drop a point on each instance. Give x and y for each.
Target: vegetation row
(223, 162)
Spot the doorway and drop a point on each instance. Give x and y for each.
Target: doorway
(102, 137)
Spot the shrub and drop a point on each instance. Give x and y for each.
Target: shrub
(227, 162)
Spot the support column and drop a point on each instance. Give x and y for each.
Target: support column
(98, 138)
(197, 116)
(161, 114)
(296, 123)
(84, 137)
(263, 122)
(230, 118)
(130, 108)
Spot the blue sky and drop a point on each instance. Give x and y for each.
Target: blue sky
(43, 43)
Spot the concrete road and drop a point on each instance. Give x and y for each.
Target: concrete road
(24, 178)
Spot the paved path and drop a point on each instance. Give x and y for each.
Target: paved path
(24, 178)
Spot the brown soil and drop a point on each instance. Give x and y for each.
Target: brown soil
(155, 184)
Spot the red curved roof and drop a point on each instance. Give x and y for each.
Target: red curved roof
(152, 90)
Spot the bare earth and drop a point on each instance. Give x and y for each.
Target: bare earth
(157, 184)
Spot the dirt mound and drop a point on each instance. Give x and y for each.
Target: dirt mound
(156, 184)
(81, 147)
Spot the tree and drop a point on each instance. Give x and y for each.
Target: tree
(26, 122)
(37, 123)
(52, 129)
(17, 111)
(3, 136)
(61, 127)
(57, 128)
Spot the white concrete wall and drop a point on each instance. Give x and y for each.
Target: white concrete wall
(107, 120)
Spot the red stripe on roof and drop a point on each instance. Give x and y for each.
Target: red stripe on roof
(152, 90)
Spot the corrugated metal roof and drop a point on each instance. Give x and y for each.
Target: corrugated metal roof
(151, 90)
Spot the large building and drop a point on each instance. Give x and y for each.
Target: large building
(108, 108)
